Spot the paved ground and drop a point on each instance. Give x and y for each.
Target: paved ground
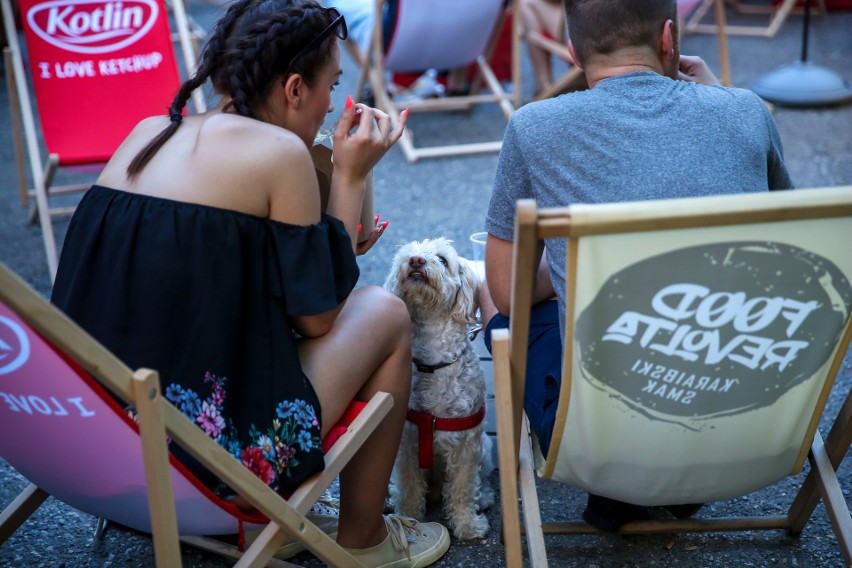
(448, 197)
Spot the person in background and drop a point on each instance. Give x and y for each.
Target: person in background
(202, 252)
(545, 17)
(654, 124)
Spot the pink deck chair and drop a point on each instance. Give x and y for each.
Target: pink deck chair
(74, 441)
(97, 68)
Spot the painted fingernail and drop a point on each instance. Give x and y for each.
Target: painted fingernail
(385, 224)
(378, 216)
(349, 102)
(405, 112)
(359, 228)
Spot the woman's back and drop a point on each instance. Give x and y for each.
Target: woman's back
(204, 295)
(222, 160)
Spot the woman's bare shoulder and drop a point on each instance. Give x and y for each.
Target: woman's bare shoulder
(246, 135)
(225, 161)
(275, 164)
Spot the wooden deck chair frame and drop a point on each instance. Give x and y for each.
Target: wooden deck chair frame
(26, 135)
(157, 417)
(510, 353)
(373, 71)
(570, 78)
(778, 15)
(558, 49)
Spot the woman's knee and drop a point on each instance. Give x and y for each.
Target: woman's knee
(385, 309)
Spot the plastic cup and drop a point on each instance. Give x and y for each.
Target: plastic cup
(477, 245)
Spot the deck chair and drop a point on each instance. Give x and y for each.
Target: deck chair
(57, 384)
(440, 35)
(777, 11)
(96, 70)
(707, 332)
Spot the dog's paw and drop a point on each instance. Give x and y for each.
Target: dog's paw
(487, 497)
(469, 527)
(415, 509)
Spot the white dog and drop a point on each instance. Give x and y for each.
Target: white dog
(447, 404)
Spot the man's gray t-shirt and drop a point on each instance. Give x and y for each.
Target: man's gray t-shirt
(633, 137)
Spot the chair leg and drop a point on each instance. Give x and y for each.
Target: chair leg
(161, 502)
(529, 501)
(227, 550)
(507, 456)
(722, 40)
(837, 443)
(17, 127)
(20, 510)
(832, 496)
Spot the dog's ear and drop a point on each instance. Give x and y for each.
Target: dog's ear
(467, 299)
(392, 280)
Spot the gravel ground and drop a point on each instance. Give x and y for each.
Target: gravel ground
(448, 197)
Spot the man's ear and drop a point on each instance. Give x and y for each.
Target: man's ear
(574, 55)
(667, 40)
(293, 87)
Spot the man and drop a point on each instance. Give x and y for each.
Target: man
(653, 124)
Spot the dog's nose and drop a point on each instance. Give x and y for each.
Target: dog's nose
(416, 261)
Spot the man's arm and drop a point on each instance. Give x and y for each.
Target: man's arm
(498, 273)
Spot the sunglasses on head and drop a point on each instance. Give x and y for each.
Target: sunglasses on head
(337, 23)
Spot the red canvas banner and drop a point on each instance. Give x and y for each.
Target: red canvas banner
(98, 68)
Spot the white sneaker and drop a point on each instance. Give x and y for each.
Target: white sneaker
(410, 544)
(325, 514)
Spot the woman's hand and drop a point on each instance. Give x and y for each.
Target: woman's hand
(692, 68)
(378, 231)
(362, 138)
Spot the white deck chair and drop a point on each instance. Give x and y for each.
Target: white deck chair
(702, 339)
(440, 34)
(91, 87)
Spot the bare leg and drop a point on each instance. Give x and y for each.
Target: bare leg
(368, 350)
(542, 16)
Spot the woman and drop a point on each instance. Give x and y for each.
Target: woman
(202, 252)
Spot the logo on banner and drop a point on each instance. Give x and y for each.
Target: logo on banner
(14, 346)
(92, 26)
(745, 324)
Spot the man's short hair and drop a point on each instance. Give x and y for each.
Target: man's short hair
(600, 27)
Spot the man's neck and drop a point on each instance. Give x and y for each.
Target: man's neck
(621, 63)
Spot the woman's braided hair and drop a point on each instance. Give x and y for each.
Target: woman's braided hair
(251, 47)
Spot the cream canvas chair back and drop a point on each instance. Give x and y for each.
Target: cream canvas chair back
(74, 441)
(702, 339)
(96, 67)
(441, 35)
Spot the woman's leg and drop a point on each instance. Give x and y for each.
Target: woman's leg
(543, 16)
(368, 350)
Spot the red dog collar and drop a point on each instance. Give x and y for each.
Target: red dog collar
(427, 424)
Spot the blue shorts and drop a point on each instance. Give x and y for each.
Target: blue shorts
(544, 367)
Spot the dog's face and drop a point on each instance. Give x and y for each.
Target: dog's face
(433, 281)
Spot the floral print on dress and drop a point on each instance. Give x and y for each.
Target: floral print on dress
(270, 453)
